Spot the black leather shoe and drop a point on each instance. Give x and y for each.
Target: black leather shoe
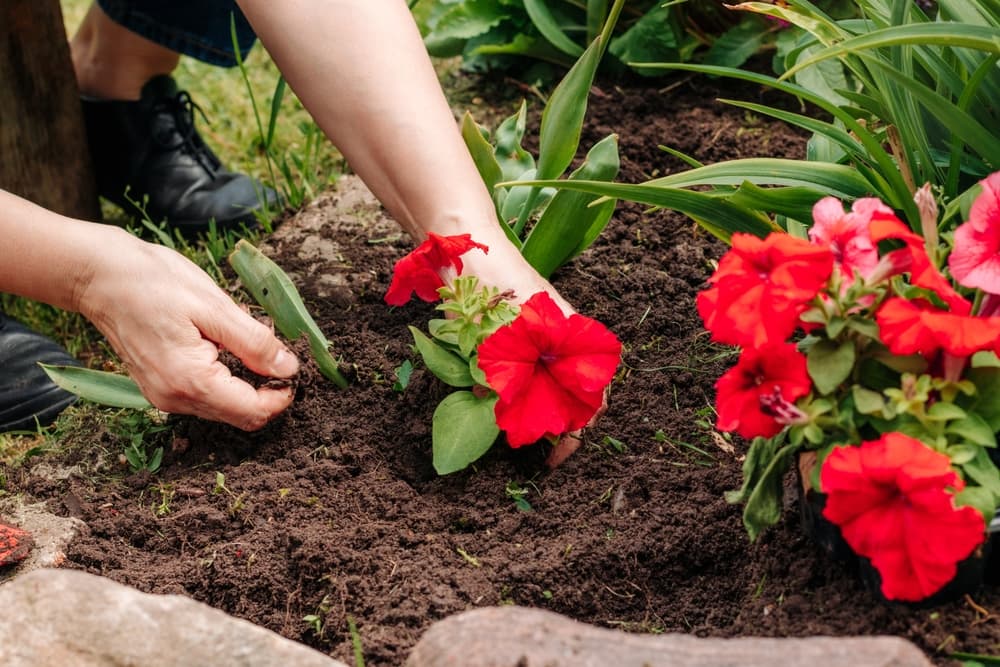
(151, 148)
(26, 392)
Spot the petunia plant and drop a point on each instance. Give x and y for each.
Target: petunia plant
(528, 370)
(869, 354)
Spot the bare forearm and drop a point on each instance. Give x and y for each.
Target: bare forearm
(361, 69)
(45, 256)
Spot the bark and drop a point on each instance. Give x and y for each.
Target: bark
(43, 146)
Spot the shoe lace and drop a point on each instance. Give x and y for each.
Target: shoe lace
(182, 135)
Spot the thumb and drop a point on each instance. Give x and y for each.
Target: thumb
(253, 342)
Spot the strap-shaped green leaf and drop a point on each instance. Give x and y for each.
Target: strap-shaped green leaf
(981, 38)
(117, 391)
(541, 16)
(274, 291)
(719, 216)
(568, 224)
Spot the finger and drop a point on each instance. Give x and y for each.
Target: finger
(253, 342)
(220, 396)
(568, 443)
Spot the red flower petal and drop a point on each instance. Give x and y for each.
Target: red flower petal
(917, 327)
(549, 370)
(777, 368)
(893, 499)
(419, 272)
(761, 287)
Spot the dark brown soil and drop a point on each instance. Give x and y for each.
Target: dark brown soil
(335, 511)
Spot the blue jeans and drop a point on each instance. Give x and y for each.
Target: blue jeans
(196, 28)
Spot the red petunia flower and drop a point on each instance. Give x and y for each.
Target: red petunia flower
(917, 327)
(761, 287)
(549, 370)
(893, 499)
(885, 225)
(846, 234)
(975, 258)
(420, 270)
(747, 394)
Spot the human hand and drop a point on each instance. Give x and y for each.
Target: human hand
(168, 320)
(505, 268)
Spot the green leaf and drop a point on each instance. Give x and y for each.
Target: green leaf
(462, 430)
(735, 46)
(830, 363)
(460, 23)
(117, 391)
(866, 401)
(974, 429)
(447, 366)
(983, 472)
(763, 507)
(569, 224)
(542, 17)
(274, 291)
(655, 37)
(514, 161)
(720, 217)
(942, 411)
(961, 454)
(482, 154)
(980, 498)
(981, 38)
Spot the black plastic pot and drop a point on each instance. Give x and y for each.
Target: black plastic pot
(983, 566)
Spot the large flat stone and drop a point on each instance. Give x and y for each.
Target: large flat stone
(68, 617)
(521, 637)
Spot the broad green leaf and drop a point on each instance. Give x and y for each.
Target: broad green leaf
(655, 37)
(717, 215)
(866, 401)
(942, 411)
(974, 429)
(569, 221)
(735, 46)
(961, 454)
(447, 366)
(983, 472)
(764, 505)
(830, 364)
(459, 24)
(983, 500)
(117, 391)
(986, 401)
(542, 17)
(274, 291)
(462, 430)
(518, 197)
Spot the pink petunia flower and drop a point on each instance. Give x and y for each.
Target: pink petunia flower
(975, 258)
(846, 234)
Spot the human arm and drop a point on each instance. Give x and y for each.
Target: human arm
(362, 71)
(163, 315)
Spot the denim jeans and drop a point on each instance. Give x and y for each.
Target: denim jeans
(197, 28)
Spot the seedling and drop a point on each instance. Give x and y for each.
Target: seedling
(403, 374)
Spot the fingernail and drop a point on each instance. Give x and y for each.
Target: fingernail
(285, 363)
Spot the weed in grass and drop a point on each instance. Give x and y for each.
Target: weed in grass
(403, 373)
(359, 656)
(317, 620)
(141, 431)
(518, 494)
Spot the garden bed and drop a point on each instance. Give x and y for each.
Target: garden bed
(334, 511)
